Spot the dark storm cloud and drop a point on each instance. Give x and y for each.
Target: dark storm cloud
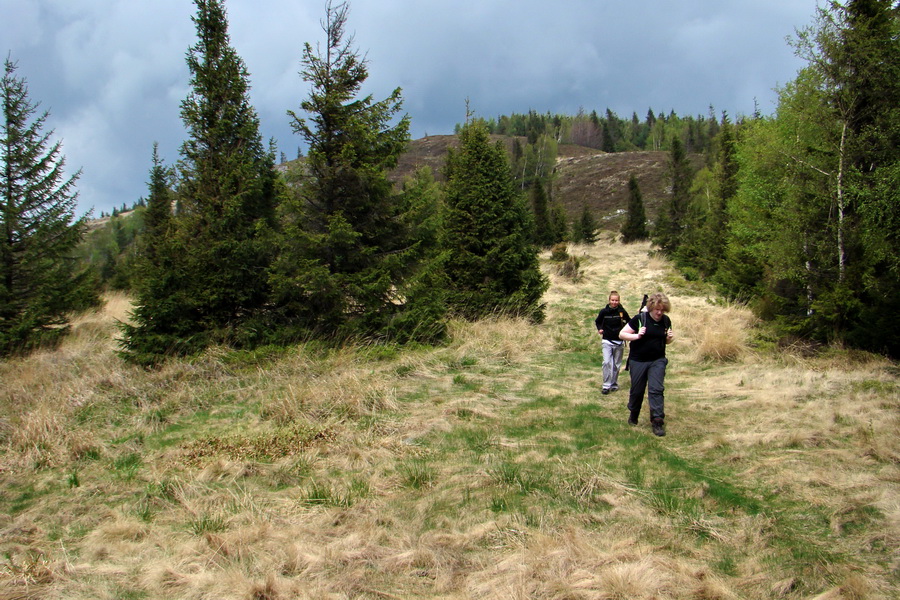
(112, 72)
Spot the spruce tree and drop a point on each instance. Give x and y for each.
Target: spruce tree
(491, 263)
(872, 55)
(587, 226)
(670, 223)
(158, 215)
(219, 247)
(559, 223)
(715, 228)
(543, 229)
(39, 283)
(635, 226)
(702, 246)
(350, 261)
(158, 287)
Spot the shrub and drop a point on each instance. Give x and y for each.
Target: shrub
(570, 268)
(559, 252)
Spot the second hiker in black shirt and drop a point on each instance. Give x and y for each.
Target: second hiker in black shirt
(609, 323)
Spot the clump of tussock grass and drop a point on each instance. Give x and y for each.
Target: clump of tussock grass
(267, 445)
(715, 334)
(31, 571)
(504, 340)
(565, 265)
(570, 268)
(346, 383)
(42, 438)
(417, 474)
(559, 252)
(339, 395)
(119, 528)
(639, 579)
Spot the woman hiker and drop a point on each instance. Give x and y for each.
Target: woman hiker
(649, 333)
(609, 323)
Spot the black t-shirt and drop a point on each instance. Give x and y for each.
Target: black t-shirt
(652, 345)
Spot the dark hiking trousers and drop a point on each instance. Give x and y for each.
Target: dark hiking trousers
(648, 375)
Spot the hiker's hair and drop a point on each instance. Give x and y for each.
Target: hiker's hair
(613, 293)
(659, 299)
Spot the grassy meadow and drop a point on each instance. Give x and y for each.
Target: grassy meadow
(488, 468)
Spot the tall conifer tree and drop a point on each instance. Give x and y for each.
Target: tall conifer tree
(39, 285)
(859, 58)
(491, 264)
(670, 222)
(587, 227)
(350, 263)
(158, 216)
(544, 235)
(726, 171)
(559, 222)
(220, 243)
(706, 221)
(635, 227)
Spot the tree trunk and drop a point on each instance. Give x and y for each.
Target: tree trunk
(842, 258)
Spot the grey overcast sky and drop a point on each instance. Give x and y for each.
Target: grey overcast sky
(112, 73)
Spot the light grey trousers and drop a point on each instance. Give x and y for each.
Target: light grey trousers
(646, 375)
(612, 360)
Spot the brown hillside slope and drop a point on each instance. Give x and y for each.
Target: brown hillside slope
(584, 176)
(600, 182)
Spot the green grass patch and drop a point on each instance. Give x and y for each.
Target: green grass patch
(726, 564)
(477, 440)
(127, 465)
(21, 498)
(690, 493)
(255, 358)
(417, 474)
(291, 474)
(329, 493)
(876, 386)
(462, 362)
(207, 523)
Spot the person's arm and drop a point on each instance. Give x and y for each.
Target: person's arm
(630, 334)
(670, 335)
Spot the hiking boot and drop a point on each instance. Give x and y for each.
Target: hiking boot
(605, 391)
(633, 419)
(659, 427)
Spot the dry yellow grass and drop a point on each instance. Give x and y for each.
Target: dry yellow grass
(454, 472)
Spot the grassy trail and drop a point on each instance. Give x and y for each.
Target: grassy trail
(489, 468)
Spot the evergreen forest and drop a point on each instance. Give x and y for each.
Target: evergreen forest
(794, 213)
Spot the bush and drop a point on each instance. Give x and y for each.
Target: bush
(570, 268)
(559, 252)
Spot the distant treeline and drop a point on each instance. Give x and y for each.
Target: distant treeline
(611, 133)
